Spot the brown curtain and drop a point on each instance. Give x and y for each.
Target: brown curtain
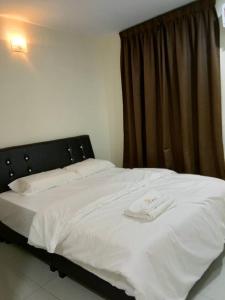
(171, 91)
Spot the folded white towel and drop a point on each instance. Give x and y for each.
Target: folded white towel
(150, 206)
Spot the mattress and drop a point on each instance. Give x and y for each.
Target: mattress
(17, 211)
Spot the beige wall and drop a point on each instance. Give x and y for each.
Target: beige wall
(108, 65)
(52, 91)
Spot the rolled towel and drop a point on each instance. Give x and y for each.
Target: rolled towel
(150, 206)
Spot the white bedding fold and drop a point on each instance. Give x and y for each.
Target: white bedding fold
(50, 226)
(150, 206)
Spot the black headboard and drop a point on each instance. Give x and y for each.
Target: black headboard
(29, 159)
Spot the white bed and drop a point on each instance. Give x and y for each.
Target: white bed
(17, 211)
(84, 222)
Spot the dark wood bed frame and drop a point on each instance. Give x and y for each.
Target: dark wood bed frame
(20, 161)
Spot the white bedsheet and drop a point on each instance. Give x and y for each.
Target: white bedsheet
(15, 216)
(158, 260)
(17, 211)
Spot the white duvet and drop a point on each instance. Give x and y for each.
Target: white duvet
(158, 260)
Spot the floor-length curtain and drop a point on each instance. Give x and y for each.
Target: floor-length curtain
(170, 70)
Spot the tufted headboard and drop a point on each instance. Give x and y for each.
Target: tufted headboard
(29, 159)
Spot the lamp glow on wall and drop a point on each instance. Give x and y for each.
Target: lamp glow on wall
(18, 44)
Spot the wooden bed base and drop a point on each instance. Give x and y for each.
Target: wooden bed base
(65, 267)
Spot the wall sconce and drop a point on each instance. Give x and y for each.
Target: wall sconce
(18, 44)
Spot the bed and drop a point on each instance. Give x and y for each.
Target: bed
(117, 256)
(19, 161)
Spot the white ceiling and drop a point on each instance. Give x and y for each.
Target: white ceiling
(87, 16)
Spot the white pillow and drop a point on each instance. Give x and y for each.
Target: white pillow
(89, 166)
(42, 181)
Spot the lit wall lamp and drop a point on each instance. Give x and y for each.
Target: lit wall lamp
(18, 44)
